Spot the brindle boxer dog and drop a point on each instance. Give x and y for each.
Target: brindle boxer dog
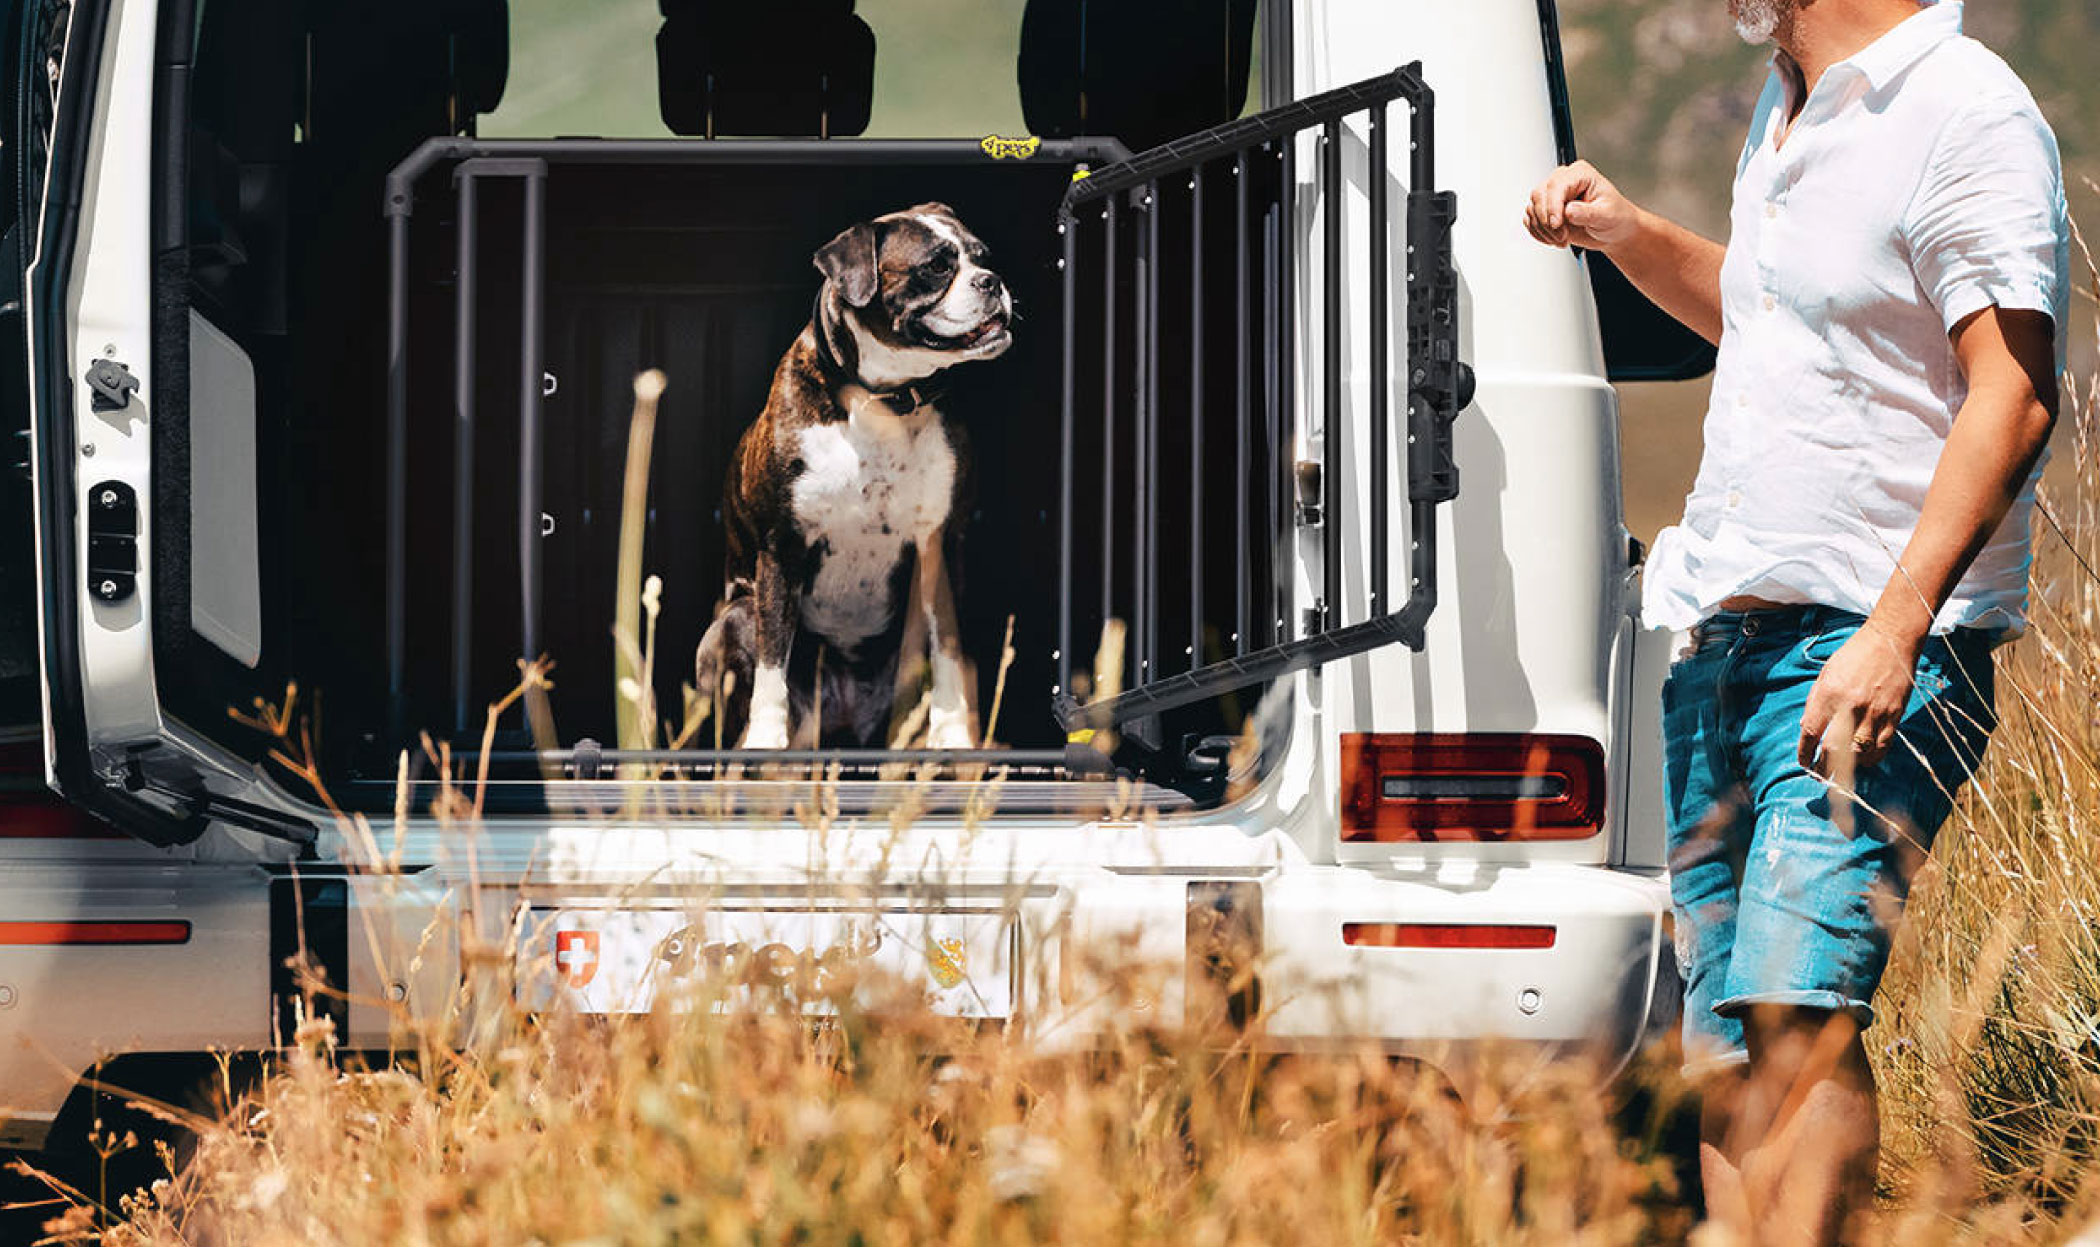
(844, 503)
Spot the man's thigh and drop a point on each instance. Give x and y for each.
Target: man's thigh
(1709, 827)
(1827, 869)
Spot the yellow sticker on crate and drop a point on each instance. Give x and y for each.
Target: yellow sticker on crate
(1010, 149)
(948, 960)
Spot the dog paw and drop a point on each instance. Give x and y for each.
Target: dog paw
(949, 730)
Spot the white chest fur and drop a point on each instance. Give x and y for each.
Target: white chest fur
(869, 486)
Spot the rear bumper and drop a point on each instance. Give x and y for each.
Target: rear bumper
(1288, 977)
(64, 1006)
(1604, 985)
(1604, 981)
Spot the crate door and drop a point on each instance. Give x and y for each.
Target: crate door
(1182, 499)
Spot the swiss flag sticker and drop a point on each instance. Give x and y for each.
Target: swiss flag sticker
(576, 956)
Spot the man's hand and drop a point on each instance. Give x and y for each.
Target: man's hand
(1579, 207)
(1857, 702)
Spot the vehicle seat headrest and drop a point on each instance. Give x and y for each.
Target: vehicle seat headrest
(764, 67)
(1143, 71)
(480, 32)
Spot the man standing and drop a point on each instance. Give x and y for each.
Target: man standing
(1890, 310)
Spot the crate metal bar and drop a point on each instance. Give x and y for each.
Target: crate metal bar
(397, 475)
(1077, 759)
(1284, 351)
(1148, 544)
(1196, 371)
(1404, 627)
(1242, 622)
(1068, 417)
(1108, 411)
(1274, 343)
(463, 448)
(1329, 606)
(1381, 225)
(1141, 454)
(530, 370)
(400, 183)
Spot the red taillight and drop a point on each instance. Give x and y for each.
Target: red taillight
(1474, 786)
(174, 931)
(29, 811)
(48, 818)
(1445, 935)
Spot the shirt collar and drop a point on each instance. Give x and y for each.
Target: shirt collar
(1882, 60)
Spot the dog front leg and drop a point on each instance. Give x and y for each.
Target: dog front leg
(949, 716)
(768, 726)
(911, 664)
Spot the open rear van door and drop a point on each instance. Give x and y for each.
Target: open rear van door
(82, 107)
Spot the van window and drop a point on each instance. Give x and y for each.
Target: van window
(941, 68)
(19, 687)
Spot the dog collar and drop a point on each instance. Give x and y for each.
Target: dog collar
(900, 402)
(908, 399)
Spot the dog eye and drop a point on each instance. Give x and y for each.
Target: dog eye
(941, 265)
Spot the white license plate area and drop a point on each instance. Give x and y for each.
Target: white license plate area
(605, 960)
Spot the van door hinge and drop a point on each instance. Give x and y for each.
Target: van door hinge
(110, 385)
(152, 770)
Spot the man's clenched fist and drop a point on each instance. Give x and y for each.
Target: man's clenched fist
(1579, 207)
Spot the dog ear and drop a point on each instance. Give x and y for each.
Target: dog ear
(932, 207)
(849, 260)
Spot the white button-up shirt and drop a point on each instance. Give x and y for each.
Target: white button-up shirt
(1918, 186)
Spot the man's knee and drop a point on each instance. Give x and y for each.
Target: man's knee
(1790, 1039)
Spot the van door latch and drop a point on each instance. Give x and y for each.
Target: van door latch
(113, 541)
(1311, 509)
(111, 385)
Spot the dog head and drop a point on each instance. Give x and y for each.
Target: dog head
(908, 294)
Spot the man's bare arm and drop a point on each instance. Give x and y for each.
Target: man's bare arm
(1681, 271)
(2008, 358)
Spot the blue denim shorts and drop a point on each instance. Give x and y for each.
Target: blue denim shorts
(1787, 889)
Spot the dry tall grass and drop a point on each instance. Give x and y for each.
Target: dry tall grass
(1988, 1050)
(882, 1123)
(760, 1127)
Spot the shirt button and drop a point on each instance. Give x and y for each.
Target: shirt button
(1742, 400)
(1771, 304)
(1735, 498)
(1771, 210)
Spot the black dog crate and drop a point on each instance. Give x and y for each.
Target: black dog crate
(534, 280)
(1130, 451)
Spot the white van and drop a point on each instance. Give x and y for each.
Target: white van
(322, 379)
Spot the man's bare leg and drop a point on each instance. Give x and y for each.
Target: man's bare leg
(1721, 1100)
(1789, 1148)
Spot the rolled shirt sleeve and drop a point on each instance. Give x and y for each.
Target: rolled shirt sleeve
(1988, 223)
